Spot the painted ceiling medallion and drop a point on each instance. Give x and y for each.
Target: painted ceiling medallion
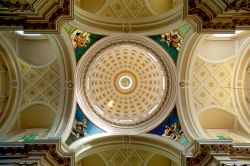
(123, 85)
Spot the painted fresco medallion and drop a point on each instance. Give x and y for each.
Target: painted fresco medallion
(123, 85)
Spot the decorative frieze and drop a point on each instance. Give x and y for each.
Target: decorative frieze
(40, 16)
(204, 153)
(33, 152)
(218, 16)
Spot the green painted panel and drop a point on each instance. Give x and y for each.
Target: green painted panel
(170, 49)
(81, 50)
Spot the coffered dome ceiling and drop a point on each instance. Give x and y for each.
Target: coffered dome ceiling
(127, 15)
(124, 84)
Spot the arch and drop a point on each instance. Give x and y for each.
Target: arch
(189, 121)
(62, 46)
(141, 20)
(240, 71)
(148, 143)
(198, 120)
(7, 54)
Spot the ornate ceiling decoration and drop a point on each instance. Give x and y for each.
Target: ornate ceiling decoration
(129, 155)
(127, 15)
(4, 86)
(41, 85)
(218, 16)
(227, 153)
(132, 150)
(40, 16)
(241, 84)
(8, 85)
(211, 84)
(35, 153)
(124, 85)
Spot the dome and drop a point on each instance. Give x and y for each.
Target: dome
(124, 84)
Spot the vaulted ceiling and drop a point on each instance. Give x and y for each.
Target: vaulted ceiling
(126, 82)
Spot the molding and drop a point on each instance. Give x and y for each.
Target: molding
(189, 121)
(240, 103)
(164, 147)
(204, 152)
(6, 121)
(149, 25)
(67, 98)
(35, 152)
(222, 16)
(42, 16)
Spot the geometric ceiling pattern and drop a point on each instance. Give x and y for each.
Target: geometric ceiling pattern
(126, 15)
(126, 156)
(126, 9)
(41, 84)
(137, 83)
(117, 75)
(211, 84)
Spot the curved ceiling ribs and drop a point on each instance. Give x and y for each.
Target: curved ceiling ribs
(35, 16)
(129, 16)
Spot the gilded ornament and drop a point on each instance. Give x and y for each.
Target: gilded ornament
(80, 38)
(172, 39)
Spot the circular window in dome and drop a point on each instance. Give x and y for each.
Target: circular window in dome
(124, 85)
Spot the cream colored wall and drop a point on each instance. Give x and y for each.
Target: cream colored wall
(158, 160)
(212, 85)
(94, 160)
(216, 50)
(216, 119)
(35, 52)
(90, 6)
(155, 160)
(43, 65)
(160, 6)
(37, 116)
